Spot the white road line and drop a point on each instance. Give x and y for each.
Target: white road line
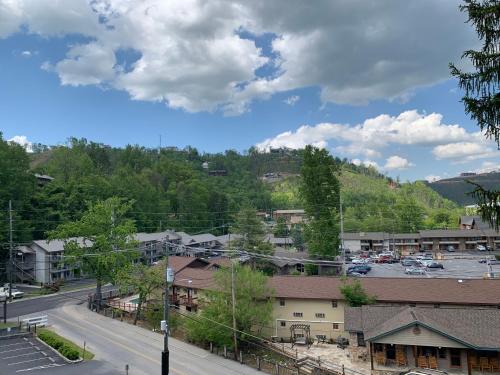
(19, 343)
(20, 355)
(28, 360)
(41, 367)
(15, 350)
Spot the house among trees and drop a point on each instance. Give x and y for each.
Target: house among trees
(291, 216)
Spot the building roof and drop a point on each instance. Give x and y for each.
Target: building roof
(435, 233)
(404, 236)
(157, 236)
(278, 240)
(377, 236)
(474, 220)
(57, 245)
(478, 328)
(195, 278)
(406, 290)
(178, 263)
(225, 238)
(297, 212)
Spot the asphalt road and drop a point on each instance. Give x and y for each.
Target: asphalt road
(42, 303)
(116, 344)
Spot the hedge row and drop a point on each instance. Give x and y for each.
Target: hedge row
(63, 348)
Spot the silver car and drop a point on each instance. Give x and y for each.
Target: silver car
(414, 271)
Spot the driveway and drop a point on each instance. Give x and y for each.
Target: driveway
(117, 344)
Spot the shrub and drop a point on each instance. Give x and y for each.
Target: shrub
(69, 352)
(59, 345)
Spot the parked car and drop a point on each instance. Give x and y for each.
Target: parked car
(450, 249)
(15, 293)
(435, 265)
(414, 271)
(408, 262)
(492, 262)
(360, 268)
(355, 274)
(481, 248)
(483, 260)
(358, 261)
(425, 262)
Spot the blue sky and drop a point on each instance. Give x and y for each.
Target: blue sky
(382, 95)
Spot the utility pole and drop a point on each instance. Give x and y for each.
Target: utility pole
(344, 271)
(165, 354)
(233, 297)
(11, 250)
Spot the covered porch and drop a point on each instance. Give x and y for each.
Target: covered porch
(399, 358)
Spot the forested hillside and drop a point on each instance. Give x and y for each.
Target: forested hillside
(175, 189)
(457, 188)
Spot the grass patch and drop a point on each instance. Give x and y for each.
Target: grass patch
(58, 342)
(8, 325)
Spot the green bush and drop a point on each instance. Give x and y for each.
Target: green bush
(59, 345)
(497, 256)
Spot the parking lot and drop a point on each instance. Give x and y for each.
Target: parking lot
(26, 354)
(453, 268)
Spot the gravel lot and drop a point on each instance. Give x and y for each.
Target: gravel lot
(453, 268)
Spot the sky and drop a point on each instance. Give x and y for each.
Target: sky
(368, 80)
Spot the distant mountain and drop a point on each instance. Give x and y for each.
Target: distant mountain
(456, 188)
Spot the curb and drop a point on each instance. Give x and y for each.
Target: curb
(59, 354)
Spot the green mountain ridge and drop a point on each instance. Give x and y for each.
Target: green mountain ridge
(456, 189)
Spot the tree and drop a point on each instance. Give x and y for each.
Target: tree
(320, 190)
(101, 242)
(251, 230)
(142, 279)
(355, 295)
(482, 89)
(253, 307)
(281, 230)
(297, 236)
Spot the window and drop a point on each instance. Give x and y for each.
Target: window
(437, 306)
(320, 315)
(335, 326)
(282, 302)
(300, 268)
(334, 304)
(282, 323)
(297, 315)
(412, 304)
(455, 358)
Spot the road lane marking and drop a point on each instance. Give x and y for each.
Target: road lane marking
(20, 355)
(41, 367)
(15, 350)
(29, 360)
(19, 343)
(116, 342)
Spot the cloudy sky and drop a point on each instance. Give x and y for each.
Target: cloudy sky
(369, 80)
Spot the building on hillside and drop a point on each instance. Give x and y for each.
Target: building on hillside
(398, 338)
(43, 179)
(277, 242)
(405, 243)
(291, 216)
(199, 244)
(473, 222)
(365, 241)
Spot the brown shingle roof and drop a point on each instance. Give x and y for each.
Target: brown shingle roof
(179, 263)
(474, 327)
(409, 290)
(195, 278)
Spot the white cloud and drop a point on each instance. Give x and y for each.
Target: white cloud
(191, 54)
(432, 178)
(397, 162)
(369, 138)
(26, 53)
(489, 166)
(464, 151)
(366, 162)
(292, 100)
(23, 141)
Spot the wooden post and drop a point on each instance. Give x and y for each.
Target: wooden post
(241, 357)
(211, 347)
(469, 365)
(83, 354)
(415, 355)
(371, 355)
(225, 351)
(343, 369)
(258, 363)
(277, 367)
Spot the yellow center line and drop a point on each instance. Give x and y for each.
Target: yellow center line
(116, 342)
